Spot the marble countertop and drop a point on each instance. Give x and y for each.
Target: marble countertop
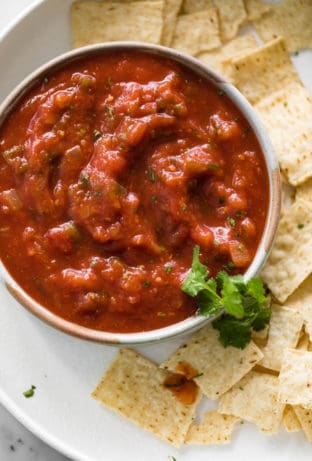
(16, 442)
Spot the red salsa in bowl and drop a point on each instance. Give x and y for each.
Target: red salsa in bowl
(112, 168)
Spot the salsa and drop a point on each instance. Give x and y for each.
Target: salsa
(112, 169)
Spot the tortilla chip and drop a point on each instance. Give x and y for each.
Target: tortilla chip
(94, 22)
(256, 9)
(304, 342)
(254, 399)
(290, 261)
(133, 386)
(260, 337)
(219, 367)
(290, 420)
(219, 59)
(301, 300)
(295, 378)
(197, 32)
(284, 331)
(290, 107)
(304, 191)
(215, 428)
(232, 15)
(291, 19)
(288, 196)
(192, 6)
(260, 73)
(170, 16)
(305, 419)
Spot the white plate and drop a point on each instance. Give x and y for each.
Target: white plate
(64, 369)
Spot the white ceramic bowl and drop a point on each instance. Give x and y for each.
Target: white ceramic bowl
(195, 322)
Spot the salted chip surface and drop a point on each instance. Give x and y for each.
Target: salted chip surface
(254, 399)
(215, 428)
(291, 19)
(133, 386)
(219, 59)
(191, 6)
(94, 22)
(256, 9)
(290, 420)
(196, 32)
(290, 261)
(305, 418)
(263, 71)
(284, 331)
(170, 16)
(291, 106)
(295, 378)
(301, 300)
(232, 15)
(304, 191)
(219, 367)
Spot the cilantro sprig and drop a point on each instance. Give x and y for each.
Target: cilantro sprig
(243, 303)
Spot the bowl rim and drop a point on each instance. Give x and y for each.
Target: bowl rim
(194, 322)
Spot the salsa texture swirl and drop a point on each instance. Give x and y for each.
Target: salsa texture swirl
(112, 169)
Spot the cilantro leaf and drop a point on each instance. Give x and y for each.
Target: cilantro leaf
(233, 332)
(209, 303)
(255, 289)
(244, 304)
(232, 295)
(196, 279)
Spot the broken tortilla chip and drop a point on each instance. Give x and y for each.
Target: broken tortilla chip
(290, 261)
(219, 367)
(94, 22)
(134, 387)
(256, 9)
(290, 420)
(232, 15)
(301, 300)
(196, 32)
(290, 19)
(254, 399)
(295, 378)
(284, 331)
(215, 428)
(305, 418)
(170, 16)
